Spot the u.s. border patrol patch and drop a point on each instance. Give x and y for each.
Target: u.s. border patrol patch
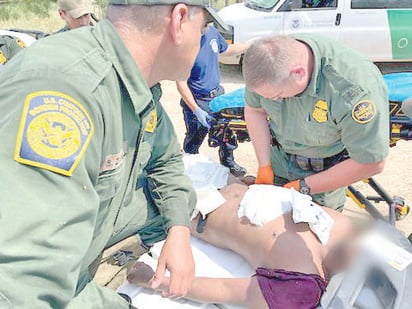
(364, 111)
(54, 132)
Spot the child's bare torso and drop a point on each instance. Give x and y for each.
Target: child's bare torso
(279, 244)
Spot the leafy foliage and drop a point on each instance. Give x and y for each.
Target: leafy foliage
(13, 9)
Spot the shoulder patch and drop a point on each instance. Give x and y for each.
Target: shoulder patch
(320, 113)
(20, 43)
(363, 111)
(152, 123)
(3, 58)
(54, 132)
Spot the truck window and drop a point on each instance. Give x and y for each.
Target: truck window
(381, 4)
(312, 4)
(261, 5)
(292, 5)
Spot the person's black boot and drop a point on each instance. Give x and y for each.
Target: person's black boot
(237, 170)
(227, 159)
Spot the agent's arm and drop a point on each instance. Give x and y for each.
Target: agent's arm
(173, 195)
(343, 174)
(258, 128)
(236, 49)
(48, 220)
(186, 94)
(190, 101)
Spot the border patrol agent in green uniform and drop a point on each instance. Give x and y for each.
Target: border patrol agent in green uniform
(90, 157)
(75, 13)
(328, 116)
(9, 46)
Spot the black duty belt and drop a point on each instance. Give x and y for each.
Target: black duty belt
(319, 164)
(211, 94)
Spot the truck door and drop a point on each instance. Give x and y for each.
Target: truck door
(380, 30)
(312, 16)
(366, 29)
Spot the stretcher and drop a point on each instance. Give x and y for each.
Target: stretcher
(372, 281)
(228, 111)
(210, 261)
(379, 277)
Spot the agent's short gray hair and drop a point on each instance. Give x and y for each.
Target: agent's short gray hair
(269, 61)
(143, 18)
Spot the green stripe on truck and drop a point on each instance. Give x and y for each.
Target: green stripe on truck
(400, 25)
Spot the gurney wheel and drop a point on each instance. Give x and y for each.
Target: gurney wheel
(401, 211)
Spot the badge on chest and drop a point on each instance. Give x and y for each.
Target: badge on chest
(320, 112)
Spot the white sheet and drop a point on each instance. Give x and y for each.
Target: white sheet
(210, 261)
(204, 171)
(264, 203)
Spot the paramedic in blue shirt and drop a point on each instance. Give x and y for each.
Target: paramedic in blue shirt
(201, 87)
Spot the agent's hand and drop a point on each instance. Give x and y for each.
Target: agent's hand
(203, 117)
(265, 175)
(293, 184)
(177, 258)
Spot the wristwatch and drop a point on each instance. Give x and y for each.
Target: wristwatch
(303, 187)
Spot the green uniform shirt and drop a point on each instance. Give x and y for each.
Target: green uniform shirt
(9, 46)
(80, 131)
(344, 106)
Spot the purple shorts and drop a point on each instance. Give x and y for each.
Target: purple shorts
(291, 290)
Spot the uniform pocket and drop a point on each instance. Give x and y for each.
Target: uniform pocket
(323, 134)
(109, 182)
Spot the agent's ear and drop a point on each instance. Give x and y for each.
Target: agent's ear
(298, 73)
(180, 15)
(62, 14)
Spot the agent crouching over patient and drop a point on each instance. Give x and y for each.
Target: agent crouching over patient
(328, 115)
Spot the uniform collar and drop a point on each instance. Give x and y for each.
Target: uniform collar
(124, 65)
(313, 89)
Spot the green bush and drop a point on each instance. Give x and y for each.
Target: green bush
(42, 14)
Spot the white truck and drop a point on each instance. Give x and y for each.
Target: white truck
(379, 29)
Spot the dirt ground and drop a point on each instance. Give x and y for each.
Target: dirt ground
(396, 178)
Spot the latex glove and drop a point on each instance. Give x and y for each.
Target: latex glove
(265, 175)
(293, 184)
(177, 258)
(203, 117)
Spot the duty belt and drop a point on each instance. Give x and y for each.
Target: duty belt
(214, 93)
(211, 94)
(319, 164)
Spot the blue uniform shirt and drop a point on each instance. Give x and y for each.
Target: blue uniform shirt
(205, 75)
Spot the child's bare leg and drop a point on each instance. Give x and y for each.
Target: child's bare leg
(236, 291)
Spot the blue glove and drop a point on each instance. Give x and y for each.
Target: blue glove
(203, 117)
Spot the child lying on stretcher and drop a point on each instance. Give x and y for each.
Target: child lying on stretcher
(292, 265)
